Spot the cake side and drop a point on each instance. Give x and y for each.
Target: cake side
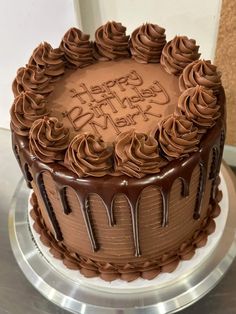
(113, 233)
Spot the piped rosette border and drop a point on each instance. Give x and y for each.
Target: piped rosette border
(132, 154)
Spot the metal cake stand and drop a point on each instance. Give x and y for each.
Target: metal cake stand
(78, 298)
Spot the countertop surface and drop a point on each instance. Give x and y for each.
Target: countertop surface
(17, 296)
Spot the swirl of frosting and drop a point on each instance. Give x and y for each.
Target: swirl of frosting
(178, 53)
(199, 105)
(44, 56)
(27, 108)
(200, 72)
(111, 42)
(147, 42)
(177, 136)
(77, 48)
(88, 155)
(48, 139)
(136, 154)
(32, 78)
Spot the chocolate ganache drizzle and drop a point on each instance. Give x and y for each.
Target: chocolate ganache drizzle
(178, 53)
(111, 42)
(77, 48)
(45, 57)
(27, 108)
(147, 42)
(142, 160)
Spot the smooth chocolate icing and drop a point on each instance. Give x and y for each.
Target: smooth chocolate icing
(105, 103)
(178, 53)
(147, 42)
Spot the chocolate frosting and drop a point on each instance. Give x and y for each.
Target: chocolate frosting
(45, 57)
(200, 106)
(178, 53)
(48, 139)
(130, 271)
(77, 48)
(147, 42)
(88, 155)
(111, 42)
(136, 154)
(177, 136)
(27, 108)
(200, 72)
(32, 78)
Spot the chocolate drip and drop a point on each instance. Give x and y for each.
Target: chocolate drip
(16, 152)
(108, 202)
(222, 142)
(185, 185)
(85, 212)
(48, 205)
(214, 164)
(82, 194)
(63, 200)
(201, 189)
(25, 169)
(221, 148)
(165, 193)
(28, 175)
(134, 217)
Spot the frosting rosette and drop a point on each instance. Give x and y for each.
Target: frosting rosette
(45, 57)
(48, 139)
(26, 108)
(199, 105)
(88, 155)
(200, 72)
(32, 78)
(147, 42)
(77, 48)
(178, 53)
(111, 42)
(137, 154)
(177, 136)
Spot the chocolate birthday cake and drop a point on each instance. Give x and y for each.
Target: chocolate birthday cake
(121, 140)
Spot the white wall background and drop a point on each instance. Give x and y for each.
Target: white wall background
(25, 23)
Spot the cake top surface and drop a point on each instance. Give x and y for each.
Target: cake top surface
(119, 105)
(109, 98)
